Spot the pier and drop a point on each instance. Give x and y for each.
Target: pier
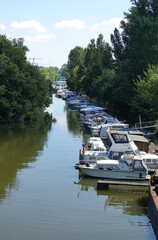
(104, 184)
(145, 125)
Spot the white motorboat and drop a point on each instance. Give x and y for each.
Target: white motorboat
(132, 168)
(121, 142)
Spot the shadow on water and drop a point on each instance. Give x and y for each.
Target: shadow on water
(132, 200)
(20, 144)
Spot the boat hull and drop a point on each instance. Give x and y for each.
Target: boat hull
(110, 174)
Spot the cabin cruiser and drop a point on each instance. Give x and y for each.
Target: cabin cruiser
(122, 141)
(116, 144)
(127, 168)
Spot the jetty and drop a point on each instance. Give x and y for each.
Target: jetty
(145, 125)
(104, 184)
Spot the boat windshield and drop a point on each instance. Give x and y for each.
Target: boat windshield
(120, 138)
(138, 166)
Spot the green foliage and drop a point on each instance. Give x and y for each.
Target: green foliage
(75, 58)
(51, 73)
(156, 129)
(103, 86)
(62, 70)
(24, 92)
(86, 65)
(112, 81)
(118, 46)
(145, 101)
(134, 49)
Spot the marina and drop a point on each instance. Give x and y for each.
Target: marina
(117, 152)
(42, 196)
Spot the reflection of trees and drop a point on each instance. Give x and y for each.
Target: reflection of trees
(19, 145)
(132, 200)
(74, 125)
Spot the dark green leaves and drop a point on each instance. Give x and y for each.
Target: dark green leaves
(24, 91)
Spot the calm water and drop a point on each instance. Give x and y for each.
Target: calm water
(42, 196)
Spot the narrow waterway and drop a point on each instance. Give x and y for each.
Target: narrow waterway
(42, 196)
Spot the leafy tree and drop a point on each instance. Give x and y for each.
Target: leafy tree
(51, 73)
(118, 46)
(24, 92)
(145, 101)
(75, 58)
(98, 57)
(63, 69)
(134, 49)
(103, 86)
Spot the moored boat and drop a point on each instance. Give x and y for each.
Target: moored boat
(130, 168)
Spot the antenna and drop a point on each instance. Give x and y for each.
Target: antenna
(33, 60)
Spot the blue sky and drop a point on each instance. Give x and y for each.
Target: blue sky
(51, 28)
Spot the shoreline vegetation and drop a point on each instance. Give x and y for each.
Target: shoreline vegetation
(123, 76)
(25, 88)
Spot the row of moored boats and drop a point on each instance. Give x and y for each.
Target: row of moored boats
(114, 151)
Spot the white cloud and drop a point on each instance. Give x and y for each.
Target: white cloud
(29, 25)
(107, 25)
(2, 27)
(40, 38)
(74, 24)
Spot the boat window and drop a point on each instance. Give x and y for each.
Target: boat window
(101, 158)
(138, 165)
(148, 160)
(92, 158)
(115, 154)
(129, 162)
(120, 138)
(109, 143)
(100, 166)
(154, 160)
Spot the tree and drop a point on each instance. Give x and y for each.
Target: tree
(63, 69)
(145, 101)
(98, 57)
(24, 91)
(138, 43)
(75, 59)
(51, 73)
(118, 46)
(103, 87)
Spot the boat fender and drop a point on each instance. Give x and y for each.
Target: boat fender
(86, 147)
(87, 165)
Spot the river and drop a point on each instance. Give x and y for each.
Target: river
(42, 196)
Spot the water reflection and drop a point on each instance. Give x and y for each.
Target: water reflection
(75, 126)
(132, 200)
(73, 122)
(20, 144)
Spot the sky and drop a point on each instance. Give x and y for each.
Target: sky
(52, 28)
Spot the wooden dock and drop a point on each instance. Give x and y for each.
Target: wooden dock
(145, 125)
(104, 184)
